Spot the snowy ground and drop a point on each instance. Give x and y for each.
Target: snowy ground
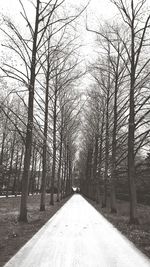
(78, 236)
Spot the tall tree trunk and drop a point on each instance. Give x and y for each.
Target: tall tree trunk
(28, 140)
(107, 133)
(62, 180)
(114, 147)
(35, 171)
(54, 147)
(104, 204)
(70, 175)
(44, 158)
(100, 153)
(39, 173)
(131, 132)
(64, 172)
(88, 171)
(60, 164)
(67, 171)
(95, 195)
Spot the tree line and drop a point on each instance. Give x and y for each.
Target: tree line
(116, 121)
(41, 105)
(39, 100)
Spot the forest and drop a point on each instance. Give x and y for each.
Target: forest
(56, 130)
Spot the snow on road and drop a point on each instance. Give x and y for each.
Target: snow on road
(78, 236)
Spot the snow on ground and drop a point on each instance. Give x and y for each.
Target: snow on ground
(78, 236)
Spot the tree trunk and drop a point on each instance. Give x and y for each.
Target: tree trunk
(104, 204)
(44, 159)
(131, 160)
(64, 172)
(95, 195)
(39, 174)
(113, 205)
(59, 166)
(28, 140)
(100, 156)
(107, 133)
(62, 181)
(54, 147)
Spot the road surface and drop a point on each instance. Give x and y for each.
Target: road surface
(78, 236)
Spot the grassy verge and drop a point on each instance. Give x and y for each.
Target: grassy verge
(138, 234)
(13, 235)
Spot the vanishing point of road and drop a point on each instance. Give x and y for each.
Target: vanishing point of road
(78, 236)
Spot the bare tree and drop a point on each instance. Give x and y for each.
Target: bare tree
(132, 15)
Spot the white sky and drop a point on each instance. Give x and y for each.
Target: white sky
(100, 7)
(97, 10)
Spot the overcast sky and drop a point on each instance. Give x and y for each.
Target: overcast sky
(101, 7)
(97, 10)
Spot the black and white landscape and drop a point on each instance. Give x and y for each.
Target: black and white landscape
(75, 128)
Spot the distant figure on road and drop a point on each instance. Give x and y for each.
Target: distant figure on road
(75, 189)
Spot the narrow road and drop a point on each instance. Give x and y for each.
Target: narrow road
(78, 236)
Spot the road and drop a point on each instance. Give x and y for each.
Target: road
(78, 236)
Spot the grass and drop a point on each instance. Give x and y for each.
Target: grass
(138, 234)
(14, 234)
